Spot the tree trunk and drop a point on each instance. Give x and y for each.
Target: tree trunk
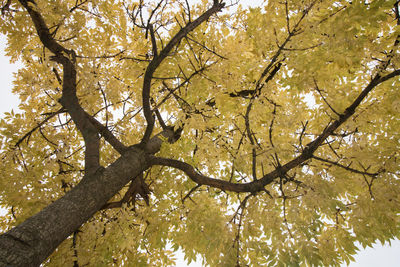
(31, 242)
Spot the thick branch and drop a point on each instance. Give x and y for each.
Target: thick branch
(389, 76)
(307, 153)
(42, 29)
(156, 61)
(69, 99)
(204, 180)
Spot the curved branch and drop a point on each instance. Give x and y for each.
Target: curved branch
(42, 29)
(280, 170)
(205, 180)
(69, 99)
(157, 59)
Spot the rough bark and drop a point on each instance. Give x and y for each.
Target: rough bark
(31, 242)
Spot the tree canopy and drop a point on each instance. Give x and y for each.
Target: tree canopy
(266, 136)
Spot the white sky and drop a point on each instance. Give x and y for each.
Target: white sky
(378, 256)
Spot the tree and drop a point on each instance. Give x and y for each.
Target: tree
(267, 136)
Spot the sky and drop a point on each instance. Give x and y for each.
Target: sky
(378, 256)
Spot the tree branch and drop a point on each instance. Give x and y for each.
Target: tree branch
(204, 180)
(69, 99)
(108, 135)
(250, 136)
(280, 170)
(157, 59)
(346, 167)
(51, 115)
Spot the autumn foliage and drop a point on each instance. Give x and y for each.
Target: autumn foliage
(266, 136)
